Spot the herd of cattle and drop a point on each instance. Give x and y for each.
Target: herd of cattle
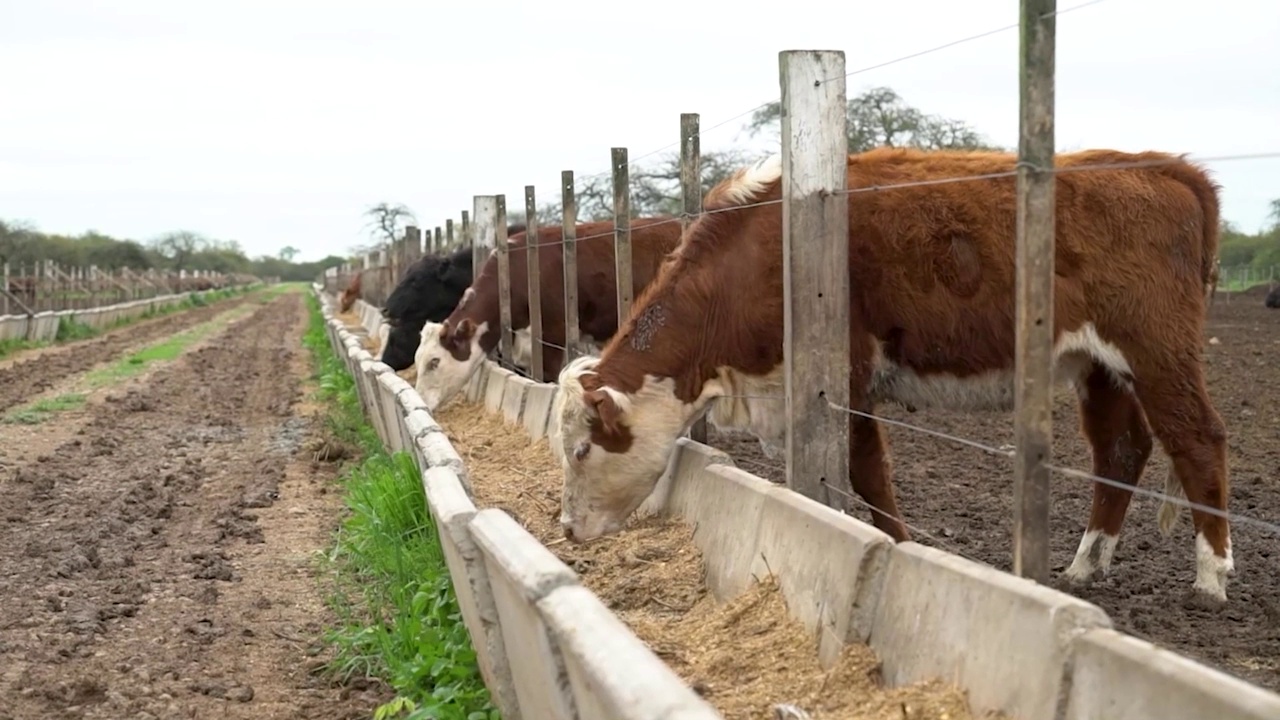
(932, 281)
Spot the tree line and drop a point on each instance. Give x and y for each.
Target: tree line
(22, 245)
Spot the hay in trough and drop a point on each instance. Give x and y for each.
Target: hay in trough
(743, 656)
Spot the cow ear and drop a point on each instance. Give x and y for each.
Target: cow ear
(603, 406)
(465, 330)
(460, 336)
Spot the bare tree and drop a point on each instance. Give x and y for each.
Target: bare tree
(386, 224)
(880, 117)
(179, 247)
(655, 189)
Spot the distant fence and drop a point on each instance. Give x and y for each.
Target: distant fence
(1239, 278)
(46, 285)
(550, 649)
(43, 326)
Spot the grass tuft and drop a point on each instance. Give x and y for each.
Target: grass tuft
(398, 615)
(41, 410)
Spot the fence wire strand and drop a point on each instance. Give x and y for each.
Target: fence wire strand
(1056, 170)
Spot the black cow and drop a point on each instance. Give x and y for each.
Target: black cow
(1273, 298)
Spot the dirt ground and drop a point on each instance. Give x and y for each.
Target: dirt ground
(159, 562)
(744, 656)
(31, 372)
(961, 500)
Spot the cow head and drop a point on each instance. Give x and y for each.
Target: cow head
(446, 357)
(613, 446)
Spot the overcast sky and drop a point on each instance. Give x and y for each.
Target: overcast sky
(277, 122)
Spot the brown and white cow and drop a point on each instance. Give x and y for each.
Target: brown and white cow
(451, 351)
(351, 294)
(931, 270)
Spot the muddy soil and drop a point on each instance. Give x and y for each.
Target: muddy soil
(160, 564)
(28, 376)
(961, 500)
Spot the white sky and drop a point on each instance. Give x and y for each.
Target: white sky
(277, 122)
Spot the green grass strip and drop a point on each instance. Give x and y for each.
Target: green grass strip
(398, 614)
(166, 350)
(41, 410)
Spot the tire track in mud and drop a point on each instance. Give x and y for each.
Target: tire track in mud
(158, 565)
(26, 378)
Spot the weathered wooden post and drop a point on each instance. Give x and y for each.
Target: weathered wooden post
(691, 205)
(815, 251)
(569, 246)
(1033, 374)
(534, 290)
(622, 232)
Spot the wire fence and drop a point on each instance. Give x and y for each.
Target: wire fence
(1032, 173)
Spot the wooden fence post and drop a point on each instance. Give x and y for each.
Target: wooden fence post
(622, 232)
(4, 295)
(569, 246)
(506, 340)
(468, 238)
(815, 269)
(481, 229)
(438, 245)
(691, 206)
(490, 233)
(1033, 375)
(415, 243)
(448, 234)
(534, 290)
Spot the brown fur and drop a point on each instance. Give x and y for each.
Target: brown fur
(351, 294)
(651, 240)
(932, 276)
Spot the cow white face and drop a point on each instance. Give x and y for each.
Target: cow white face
(613, 447)
(445, 359)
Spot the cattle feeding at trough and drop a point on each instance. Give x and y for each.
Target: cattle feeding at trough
(450, 352)
(426, 292)
(350, 294)
(932, 279)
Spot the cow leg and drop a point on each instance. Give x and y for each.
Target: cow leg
(869, 474)
(1113, 422)
(1177, 404)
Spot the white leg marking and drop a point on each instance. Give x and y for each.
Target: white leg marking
(1211, 570)
(1107, 552)
(1082, 566)
(1169, 511)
